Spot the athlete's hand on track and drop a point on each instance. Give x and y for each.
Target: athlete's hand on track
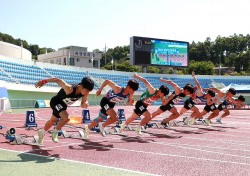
(85, 105)
(130, 102)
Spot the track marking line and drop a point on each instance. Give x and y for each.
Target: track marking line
(160, 143)
(162, 154)
(81, 162)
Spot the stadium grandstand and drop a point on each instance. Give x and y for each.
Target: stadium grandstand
(19, 73)
(19, 76)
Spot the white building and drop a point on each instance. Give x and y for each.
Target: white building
(74, 56)
(14, 51)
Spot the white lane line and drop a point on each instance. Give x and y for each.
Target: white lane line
(154, 152)
(243, 143)
(185, 146)
(109, 138)
(228, 135)
(159, 154)
(81, 162)
(246, 143)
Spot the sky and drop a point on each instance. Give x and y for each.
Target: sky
(96, 23)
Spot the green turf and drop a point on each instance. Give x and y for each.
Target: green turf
(23, 164)
(20, 110)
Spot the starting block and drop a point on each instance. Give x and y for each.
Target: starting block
(96, 128)
(16, 139)
(64, 134)
(121, 116)
(113, 130)
(57, 121)
(80, 135)
(121, 119)
(30, 119)
(138, 118)
(149, 125)
(159, 125)
(86, 116)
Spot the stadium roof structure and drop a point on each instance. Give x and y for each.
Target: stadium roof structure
(238, 87)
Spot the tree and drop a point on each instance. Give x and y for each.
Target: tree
(118, 53)
(125, 66)
(43, 50)
(152, 69)
(35, 50)
(201, 68)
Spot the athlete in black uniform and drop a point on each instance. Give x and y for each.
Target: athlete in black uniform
(197, 97)
(67, 95)
(114, 95)
(174, 98)
(227, 99)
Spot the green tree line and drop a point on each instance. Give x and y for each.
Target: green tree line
(33, 48)
(232, 51)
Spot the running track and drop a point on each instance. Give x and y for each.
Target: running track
(198, 150)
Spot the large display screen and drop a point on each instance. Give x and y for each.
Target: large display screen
(158, 52)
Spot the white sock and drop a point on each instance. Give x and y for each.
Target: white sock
(188, 118)
(43, 131)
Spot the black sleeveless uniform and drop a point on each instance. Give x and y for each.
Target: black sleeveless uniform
(61, 101)
(173, 101)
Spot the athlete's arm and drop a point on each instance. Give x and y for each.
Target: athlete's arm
(239, 105)
(163, 98)
(150, 88)
(110, 83)
(193, 95)
(84, 102)
(67, 87)
(231, 100)
(130, 100)
(212, 101)
(174, 85)
(220, 94)
(165, 101)
(200, 91)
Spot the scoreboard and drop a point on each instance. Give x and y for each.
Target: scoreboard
(158, 52)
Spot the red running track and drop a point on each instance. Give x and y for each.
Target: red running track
(197, 150)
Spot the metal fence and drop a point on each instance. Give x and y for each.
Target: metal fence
(26, 103)
(22, 103)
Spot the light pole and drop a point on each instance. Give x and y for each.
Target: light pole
(105, 54)
(242, 61)
(224, 55)
(92, 59)
(220, 64)
(112, 62)
(21, 49)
